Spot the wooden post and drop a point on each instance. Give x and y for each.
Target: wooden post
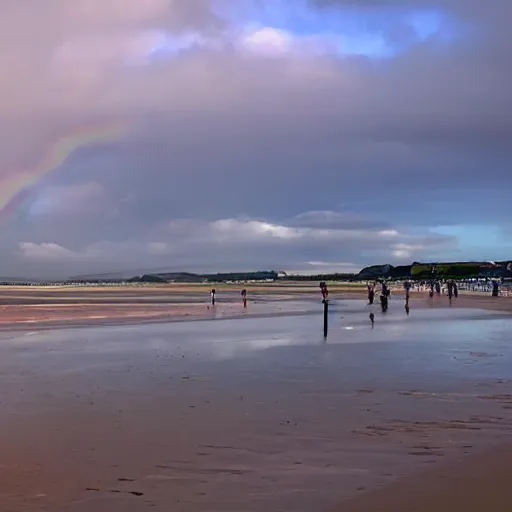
(325, 301)
(326, 317)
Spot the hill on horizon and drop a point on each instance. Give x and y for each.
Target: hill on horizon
(416, 270)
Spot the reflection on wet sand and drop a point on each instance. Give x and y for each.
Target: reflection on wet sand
(259, 414)
(43, 308)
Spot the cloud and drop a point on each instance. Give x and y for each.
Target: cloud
(268, 41)
(285, 133)
(50, 252)
(223, 244)
(88, 199)
(338, 220)
(327, 267)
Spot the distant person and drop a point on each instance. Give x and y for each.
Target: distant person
(325, 291)
(371, 292)
(455, 289)
(243, 293)
(383, 302)
(407, 288)
(384, 297)
(212, 296)
(449, 285)
(438, 288)
(431, 291)
(372, 319)
(495, 288)
(407, 309)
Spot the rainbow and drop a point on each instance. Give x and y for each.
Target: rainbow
(15, 189)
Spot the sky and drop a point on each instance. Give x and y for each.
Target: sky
(214, 135)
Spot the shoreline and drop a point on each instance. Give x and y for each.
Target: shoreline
(190, 306)
(48, 325)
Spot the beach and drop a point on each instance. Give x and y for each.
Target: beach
(121, 399)
(23, 308)
(472, 484)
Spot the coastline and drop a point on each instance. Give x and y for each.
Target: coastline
(39, 309)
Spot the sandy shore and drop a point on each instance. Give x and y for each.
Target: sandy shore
(467, 300)
(23, 307)
(254, 415)
(478, 483)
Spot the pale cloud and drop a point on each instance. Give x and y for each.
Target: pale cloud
(200, 245)
(256, 232)
(50, 252)
(267, 41)
(407, 251)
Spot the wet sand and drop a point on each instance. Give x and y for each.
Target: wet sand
(259, 414)
(23, 308)
(473, 484)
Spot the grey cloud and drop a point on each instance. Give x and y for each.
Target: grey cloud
(407, 144)
(338, 220)
(74, 200)
(223, 244)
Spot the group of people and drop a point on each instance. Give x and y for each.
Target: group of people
(434, 289)
(451, 286)
(384, 294)
(453, 289)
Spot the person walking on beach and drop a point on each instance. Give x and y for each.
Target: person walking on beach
(495, 288)
(212, 296)
(455, 289)
(407, 288)
(244, 297)
(371, 292)
(384, 294)
(450, 290)
(383, 302)
(324, 290)
(431, 292)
